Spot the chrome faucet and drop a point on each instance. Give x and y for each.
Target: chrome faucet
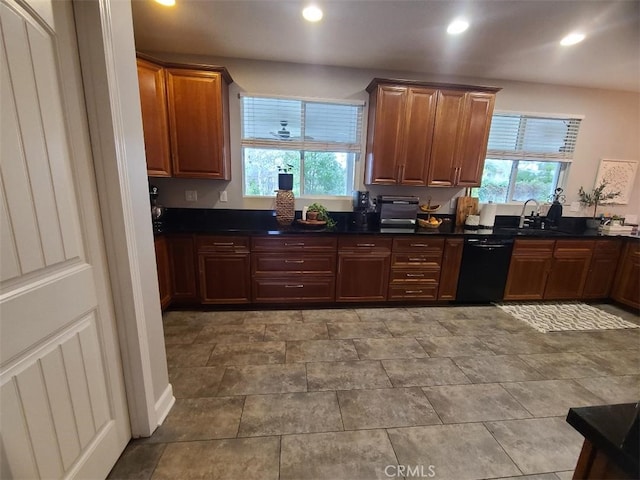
(524, 207)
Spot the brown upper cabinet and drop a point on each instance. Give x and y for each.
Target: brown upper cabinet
(426, 134)
(186, 110)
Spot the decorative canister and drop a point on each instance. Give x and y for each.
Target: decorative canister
(284, 207)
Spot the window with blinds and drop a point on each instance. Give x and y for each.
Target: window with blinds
(318, 141)
(527, 157)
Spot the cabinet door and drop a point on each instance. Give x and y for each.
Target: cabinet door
(447, 133)
(418, 135)
(451, 260)
(183, 272)
(198, 123)
(224, 277)
(153, 103)
(603, 269)
(473, 150)
(387, 112)
(164, 271)
(626, 289)
(362, 277)
(527, 277)
(571, 261)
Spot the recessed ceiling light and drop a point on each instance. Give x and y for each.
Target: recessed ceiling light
(572, 39)
(166, 3)
(457, 26)
(312, 13)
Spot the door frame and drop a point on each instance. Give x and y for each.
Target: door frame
(107, 57)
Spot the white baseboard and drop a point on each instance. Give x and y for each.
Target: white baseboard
(164, 404)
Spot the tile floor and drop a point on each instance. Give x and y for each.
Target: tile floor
(443, 392)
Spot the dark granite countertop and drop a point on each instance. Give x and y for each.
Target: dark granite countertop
(607, 427)
(263, 222)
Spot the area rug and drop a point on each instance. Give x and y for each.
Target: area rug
(560, 316)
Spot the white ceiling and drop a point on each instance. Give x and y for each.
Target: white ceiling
(507, 40)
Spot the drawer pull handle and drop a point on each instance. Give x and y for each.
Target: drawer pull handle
(223, 244)
(416, 259)
(294, 261)
(294, 286)
(419, 245)
(299, 244)
(413, 291)
(415, 274)
(365, 244)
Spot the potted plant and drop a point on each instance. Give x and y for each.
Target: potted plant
(595, 198)
(285, 177)
(321, 214)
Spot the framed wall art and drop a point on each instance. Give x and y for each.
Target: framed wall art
(620, 176)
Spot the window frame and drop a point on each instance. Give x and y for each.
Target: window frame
(355, 149)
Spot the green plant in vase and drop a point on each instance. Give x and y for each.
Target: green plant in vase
(595, 198)
(322, 214)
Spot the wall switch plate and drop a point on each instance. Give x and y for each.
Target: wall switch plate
(223, 196)
(191, 195)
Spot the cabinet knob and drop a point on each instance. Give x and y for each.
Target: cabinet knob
(294, 261)
(294, 286)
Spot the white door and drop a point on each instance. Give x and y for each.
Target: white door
(63, 408)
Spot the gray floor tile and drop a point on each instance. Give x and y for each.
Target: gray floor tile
(437, 313)
(257, 379)
(251, 353)
(623, 389)
(273, 317)
(542, 476)
(566, 475)
(518, 343)
(330, 315)
(620, 312)
(296, 331)
(200, 419)
(194, 355)
(456, 452)
(195, 381)
(290, 413)
(361, 455)
(485, 326)
(200, 319)
(231, 334)
(241, 458)
(474, 403)
(382, 348)
(385, 408)
(454, 346)
(416, 328)
(344, 331)
(498, 368)
(321, 351)
(180, 334)
(554, 366)
(548, 398)
(423, 372)
(539, 445)
(137, 462)
(346, 375)
(383, 314)
(624, 362)
(486, 312)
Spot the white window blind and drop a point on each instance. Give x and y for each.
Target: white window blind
(529, 137)
(293, 124)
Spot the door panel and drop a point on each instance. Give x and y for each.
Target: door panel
(479, 111)
(421, 113)
(63, 407)
(446, 138)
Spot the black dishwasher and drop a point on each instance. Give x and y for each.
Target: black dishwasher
(484, 268)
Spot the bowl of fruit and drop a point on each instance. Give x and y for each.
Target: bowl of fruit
(431, 222)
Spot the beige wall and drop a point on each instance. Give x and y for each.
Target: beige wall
(609, 130)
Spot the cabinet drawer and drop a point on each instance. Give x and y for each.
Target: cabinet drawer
(221, 243)
(302, 290)
(413, 276)
(364, 242)
(533, 247)
(416, 245)
(293, 243)
(423, 259)
(607, 247)
(270, 263)
(573, 247)
(416, 292)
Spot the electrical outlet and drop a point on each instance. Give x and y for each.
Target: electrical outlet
(191, 195)
(223, 196)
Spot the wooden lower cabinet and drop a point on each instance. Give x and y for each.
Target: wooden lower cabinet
(451, 260)
(602, 270)
(626, 288)
(363, 269)
(164, 271)
(182, 259)
(225, 277)
(569, 269)
(530, 266)
(415, 268)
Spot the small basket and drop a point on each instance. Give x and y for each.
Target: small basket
(426, 224)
